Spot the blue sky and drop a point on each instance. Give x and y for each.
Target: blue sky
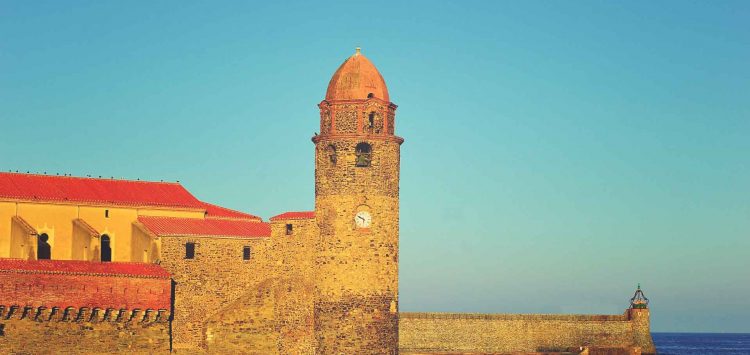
(557, 153)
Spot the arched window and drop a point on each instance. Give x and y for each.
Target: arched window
(364, 154)
(43, 249)
(106, 249)
(331, 153)
(370, 95)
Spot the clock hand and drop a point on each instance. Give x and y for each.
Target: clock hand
(362, 218)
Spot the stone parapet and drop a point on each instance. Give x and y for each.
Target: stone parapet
(505, 333)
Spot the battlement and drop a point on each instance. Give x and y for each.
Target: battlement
(41, 330)
(84, 314)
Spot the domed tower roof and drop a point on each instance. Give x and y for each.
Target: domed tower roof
(357, 79)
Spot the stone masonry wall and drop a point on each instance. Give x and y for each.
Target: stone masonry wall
(206, 285)
(49, 334)
(500, 333)
(356, 300)
(262, 306)
(343, 178)
(274, 316)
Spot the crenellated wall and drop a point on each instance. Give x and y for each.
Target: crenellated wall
(431, 333)
(70, 307)
(82, 331)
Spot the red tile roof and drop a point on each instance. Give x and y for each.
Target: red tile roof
(294, 215)
(45, 188)
(171, 226)
(77, 284)
(214, 211)
(83, 268)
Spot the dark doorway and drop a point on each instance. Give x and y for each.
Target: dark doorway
(106, 249)
(43, 249)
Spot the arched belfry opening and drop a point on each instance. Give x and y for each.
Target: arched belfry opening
(370, 124)
(363, 152)
(331, 154)
(106, 250)
(43, 249)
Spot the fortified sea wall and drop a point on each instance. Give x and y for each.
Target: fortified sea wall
(459, 333)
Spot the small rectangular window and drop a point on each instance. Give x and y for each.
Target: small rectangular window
(246, 253)
(289, 229)
(189, 250)
(106, 213)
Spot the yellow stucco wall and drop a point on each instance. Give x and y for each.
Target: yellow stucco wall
(7, 209)
(70, 242)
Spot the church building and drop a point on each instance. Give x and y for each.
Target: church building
(104, 265)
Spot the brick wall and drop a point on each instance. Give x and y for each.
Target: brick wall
(92, 291)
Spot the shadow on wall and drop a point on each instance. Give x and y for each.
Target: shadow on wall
(173, 287)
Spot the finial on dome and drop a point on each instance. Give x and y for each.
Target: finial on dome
(357, 51)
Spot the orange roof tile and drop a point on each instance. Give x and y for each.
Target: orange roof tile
(45, 188)
(83, 267)
(172, 226)
(214, 211)
(294, 215)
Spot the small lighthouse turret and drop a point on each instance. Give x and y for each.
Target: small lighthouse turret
(639, 314)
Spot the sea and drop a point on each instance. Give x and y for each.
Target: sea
(701, 343)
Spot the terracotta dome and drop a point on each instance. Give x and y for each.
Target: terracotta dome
(356, 79)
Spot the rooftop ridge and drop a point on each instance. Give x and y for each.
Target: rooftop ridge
(80, 267)
(292, 215)
(97, 191)
(220, 212)
(208, 227)
(92, 178)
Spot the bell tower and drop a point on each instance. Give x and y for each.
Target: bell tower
(357, 163)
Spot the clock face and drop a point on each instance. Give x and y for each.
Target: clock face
(363, 219)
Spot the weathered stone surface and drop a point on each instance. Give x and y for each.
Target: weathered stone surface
(29, 336)
(505, 333)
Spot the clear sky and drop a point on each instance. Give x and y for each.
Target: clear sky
(557, 152)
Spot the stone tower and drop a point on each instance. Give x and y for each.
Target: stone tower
(357, 209)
